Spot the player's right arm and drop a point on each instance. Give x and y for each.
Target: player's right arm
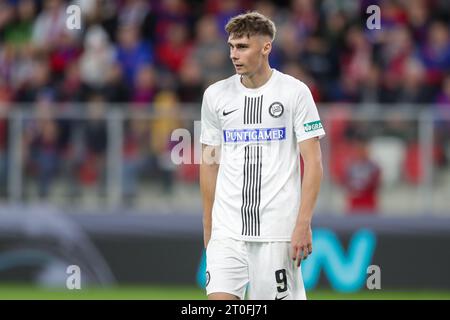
(208, 178)
(210, 138)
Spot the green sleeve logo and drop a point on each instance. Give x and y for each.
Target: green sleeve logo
(312, 126)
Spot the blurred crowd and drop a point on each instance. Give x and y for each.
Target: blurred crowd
(152, 55)
(132, 50)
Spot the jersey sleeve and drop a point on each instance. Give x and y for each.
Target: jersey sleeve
(210, 129)
(307, 122)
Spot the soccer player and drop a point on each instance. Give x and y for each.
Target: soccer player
(257, 215)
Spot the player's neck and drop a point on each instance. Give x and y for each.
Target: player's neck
(257, 79)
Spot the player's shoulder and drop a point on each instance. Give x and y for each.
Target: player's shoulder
(292, 83)
(220, 86)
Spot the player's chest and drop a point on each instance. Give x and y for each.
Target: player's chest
(243, 111)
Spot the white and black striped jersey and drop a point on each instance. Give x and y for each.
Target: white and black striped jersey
(257, 193)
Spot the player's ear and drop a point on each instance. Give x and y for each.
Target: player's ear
(267, 47)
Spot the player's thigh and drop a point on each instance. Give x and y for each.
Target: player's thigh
(273, 274)
(226, 269)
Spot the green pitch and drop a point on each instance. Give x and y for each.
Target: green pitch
(193, 293)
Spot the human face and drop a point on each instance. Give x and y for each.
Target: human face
(249, 54)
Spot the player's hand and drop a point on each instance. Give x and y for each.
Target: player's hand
(301, 242)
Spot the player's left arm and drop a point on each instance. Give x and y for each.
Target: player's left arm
(301, 240)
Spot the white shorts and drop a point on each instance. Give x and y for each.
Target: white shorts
(256, 270)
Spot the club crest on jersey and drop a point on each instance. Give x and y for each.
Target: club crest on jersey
(276, 109)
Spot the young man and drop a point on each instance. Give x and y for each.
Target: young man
(256, 229)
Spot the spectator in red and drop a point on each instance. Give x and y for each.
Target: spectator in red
(66, 52)
(167, 13)
(362, 179)
(172, 53)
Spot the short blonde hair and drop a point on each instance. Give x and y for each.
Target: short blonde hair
(250, 24)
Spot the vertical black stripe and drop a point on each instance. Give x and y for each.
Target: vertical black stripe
(245, 107)
(259, 190)
(252, 172)
(247, 190)
(254, 195)
(244, 220)
(260, 110)
(249, 117)
(257, 109)
(245, 110)
(251, 191)
(251, 111)
(258, 148)
(255, 188)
